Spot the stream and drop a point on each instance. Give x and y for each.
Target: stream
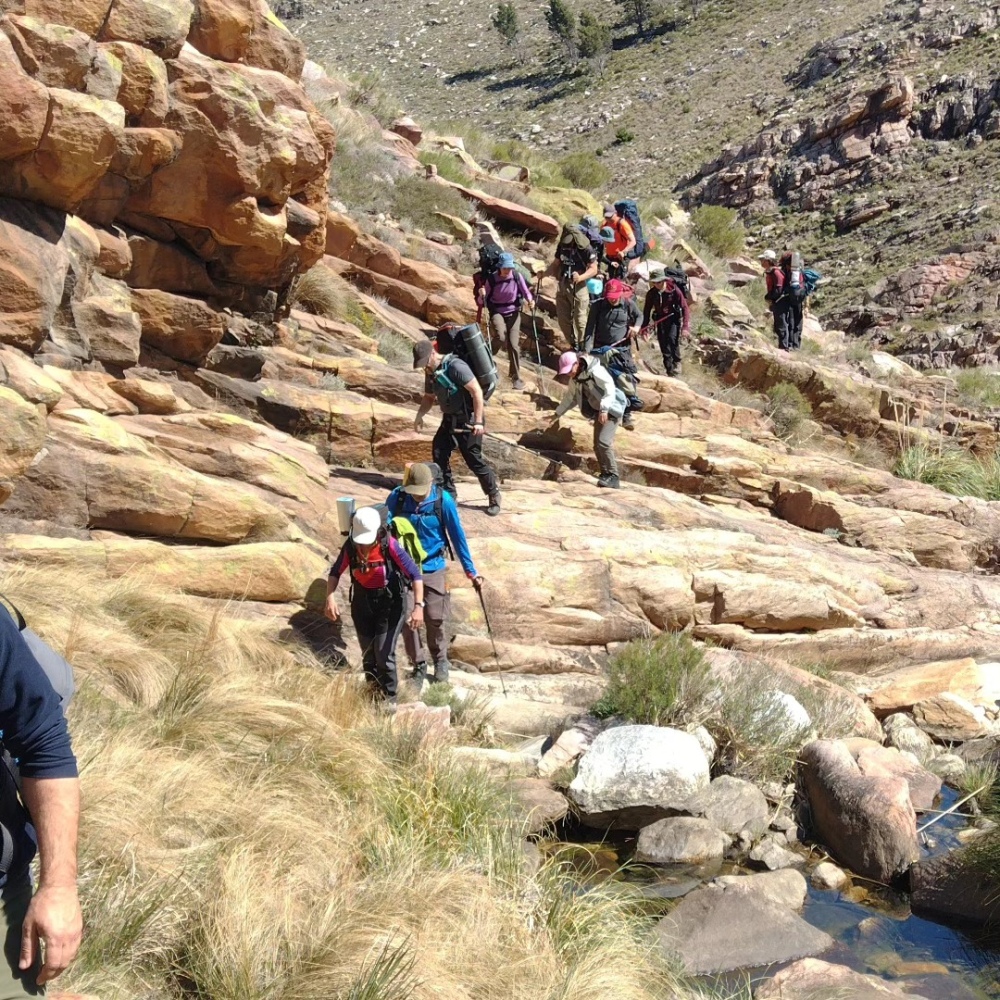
(875, 931)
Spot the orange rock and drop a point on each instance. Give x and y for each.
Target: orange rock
(241, 31)
(160, 25)
(519, 216)
(143, 89)
(84, 15)
(168, 267)
(341, 234)
(143, 150)
(24, 106)
(54, 55)
(182, 328)
(115, 257)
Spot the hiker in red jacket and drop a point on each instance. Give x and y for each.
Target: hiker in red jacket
(666, 307)
(779, 303)
(502, 294)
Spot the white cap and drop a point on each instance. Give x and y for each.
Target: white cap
(768, 255)
(365, 526)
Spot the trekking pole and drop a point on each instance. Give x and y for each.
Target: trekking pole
(534, 325)
(489, 631)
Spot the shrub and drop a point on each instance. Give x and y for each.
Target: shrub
(720, 229)
(788, 408)
(471, 715)
(504, 21)
(593, 37)
(419, 199)
(561, 19)
(363, 178)
(950, 469)
(394, 347)
(978, 387)
(368, 92)
(584, 170)
(623, 136)
(449, 167)
(638, 12)
(660, 682)
(322, 292)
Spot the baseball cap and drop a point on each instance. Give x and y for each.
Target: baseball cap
(506, 260)
(614, 289)
(418, 479)
(657, 276)
(421, 353)
(607, 234)
(609, 211)
(768, 255)
(365, 526)
(566, 362)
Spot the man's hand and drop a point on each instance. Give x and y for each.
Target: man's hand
(418, 422)
(602, 417)
(53, 919)
(477, 430)
(416, 618)
(577, 277)
(331, 610)
(477, 582)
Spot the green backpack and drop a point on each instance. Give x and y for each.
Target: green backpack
(401, 528)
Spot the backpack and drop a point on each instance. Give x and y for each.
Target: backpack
(392, 503)
(811, 279)
(392, 574)
(469, 344)
(629, 211)
(679, 277)
(791, 266)
(56, 667)
(489, 264)
(593, 234)
(573, 233)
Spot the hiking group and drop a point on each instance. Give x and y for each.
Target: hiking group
(395, 555)
(789, 284)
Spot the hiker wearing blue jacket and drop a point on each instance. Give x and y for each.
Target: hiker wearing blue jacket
(434, 515)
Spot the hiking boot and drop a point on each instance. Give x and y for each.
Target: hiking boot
(441, 672)
(494, 508)
(677, 369)
(419, 674)
(518, 384)
(628, 422)
(609, 482)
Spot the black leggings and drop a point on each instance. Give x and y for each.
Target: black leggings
(378, 620)
(451, 434)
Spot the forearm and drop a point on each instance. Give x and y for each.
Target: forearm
(54, 806)
(418, 591)
(425, 407)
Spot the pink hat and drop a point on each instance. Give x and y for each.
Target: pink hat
(567, 361)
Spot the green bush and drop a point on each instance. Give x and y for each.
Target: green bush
(449, 167)
(788, 408)
(624, 135)
(659, 682)
(952, 470)
(978, 387)
(584, 170)
(593, 38)
(504, 21)
(322, 292)
(362, 177)
(720, 229)
(419, 199)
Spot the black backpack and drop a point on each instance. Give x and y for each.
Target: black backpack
(679, 277)
(469, 344)
(489, 260)
(629, 211)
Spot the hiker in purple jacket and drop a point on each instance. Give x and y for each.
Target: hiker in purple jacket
(502, 294)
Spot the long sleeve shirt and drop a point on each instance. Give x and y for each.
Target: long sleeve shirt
(595, 384)
(775, 282)
(434, 535)
(372, 572)
(608, 324)
(666, 305)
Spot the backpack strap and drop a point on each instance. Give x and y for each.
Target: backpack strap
(439, 513)
(15, 612)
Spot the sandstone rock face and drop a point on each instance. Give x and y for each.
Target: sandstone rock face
(680, 839)
(924, 786)
(633, 775)
(867, 823)
(22, 439)
(952, 718)
(181, 328)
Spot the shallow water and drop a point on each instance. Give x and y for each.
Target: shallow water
(877, 935)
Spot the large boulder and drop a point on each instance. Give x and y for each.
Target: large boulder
(22, 438)
(900, 690)
(962, 887)
(634, 775)
(952, 718)
(181, 328)
(877, 761)
(727, 926)
(867, 823)
(732, 805)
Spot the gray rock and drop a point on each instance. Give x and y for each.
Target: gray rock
(949, 887)
(721, 928)
(903, 733)
(827, 875)
(785, 888)
(867, 823)
(707, 742)
(634, 775)
(680, 839)
(540, 804)
(771, 853)
(732, 805)
(947, 766)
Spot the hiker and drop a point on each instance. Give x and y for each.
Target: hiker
(36, 736)
(778, 302)
(622, 243)
(613, 322)
(378, 565)
(434, 514)
(666, 308)
(450, 381)
(795, 292)
(502, 295)
(600, 400)
(574, 264)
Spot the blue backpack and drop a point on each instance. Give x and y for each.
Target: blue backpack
(810, 280)
(629, 210)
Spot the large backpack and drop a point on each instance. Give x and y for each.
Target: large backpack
(593, 234)
(56, 668)
(811, 279)
(679, 277)
(795, 283)
(629, 211)
(391, 505)
(394, 580)
(489, 264)
(469, 344)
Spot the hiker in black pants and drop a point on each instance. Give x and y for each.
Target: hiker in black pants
(666, 307)
(378, 566)
(780, 304)
(451, 382)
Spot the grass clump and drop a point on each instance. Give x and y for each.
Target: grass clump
(658, 682)
(720, 229)
(449, 167)
(253, 830)
(418, 199)
(471, 714)
(788, 408)
(978, 387)
(951, 470)
(322, 292)
(584, 170)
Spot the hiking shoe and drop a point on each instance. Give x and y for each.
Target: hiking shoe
(441, 673)
(628, 422)
(494, 508)
(518, 384)
(609, 482)
(419, 672)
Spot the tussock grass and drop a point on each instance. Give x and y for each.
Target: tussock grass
(252, 830)
(951, 470)
(978, 387)
(322, 292)
(720, 229)
(788, 408)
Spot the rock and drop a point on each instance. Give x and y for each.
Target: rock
(731, 805)
(634, 775)
(28, 380)
(106, 321)
(771, 853)
(693, 265)
(182, 328)
(721, 928)
(22, 439)
(456, 227)
(680, 839)
(277, 572)
(707, 743)
(903, 733)
(827, 875)
(810, 978)
(900, 690)
(924, 786)
(150, 397)
(246, 32)
(785, 888)
(434, 721)
(956, 887)
(518, 216)
(502, 763)
(24, 105)
(569, 747)
(408, 129)
(541, 805)
(160, 25)
(948, 767)
(728, 311)
(952, 718)
(867, 823)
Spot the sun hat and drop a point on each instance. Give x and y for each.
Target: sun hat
(768, 255)
(419, 479)
(365, 526)
(657, 276)
(607, 234)
(567, 361)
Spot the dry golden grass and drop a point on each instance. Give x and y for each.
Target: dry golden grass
(252, 829)
(322, 292)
